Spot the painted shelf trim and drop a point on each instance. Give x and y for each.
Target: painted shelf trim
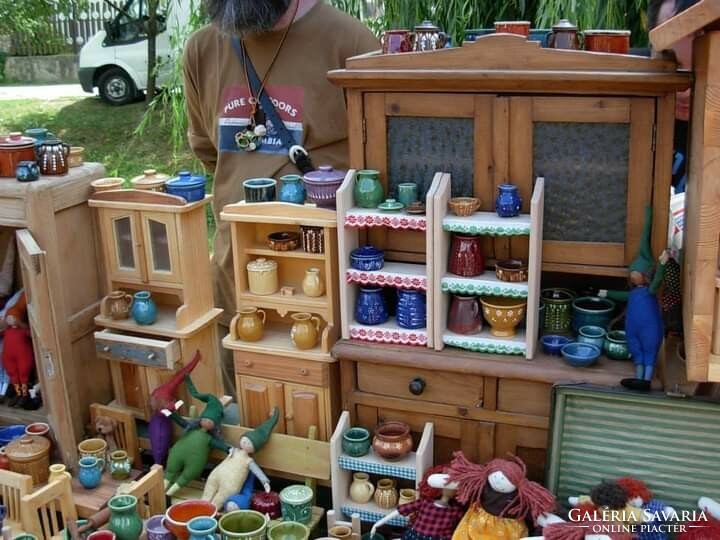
(373, 464)
(488, 223)
(483, 286)
(487, 343)
(400, 275)
(388, 332)
(371, 516)
(361, 218)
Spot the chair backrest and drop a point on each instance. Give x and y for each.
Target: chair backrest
(150, 492)
(40, 510)
(125, 432)
(13, 487)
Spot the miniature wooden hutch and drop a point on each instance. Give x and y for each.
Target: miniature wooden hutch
(56, 251)
(157, 242)
(273, 371)
(598, 128)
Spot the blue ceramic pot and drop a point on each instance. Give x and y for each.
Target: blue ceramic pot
(356, 442)
(552, 344)
(259, 189)
(90, 471)
(580, 354)
(508, 202)
(202, 528)
(370, 307)
(39, 134)
(292, 189)
(592, 311)
(367, 259)
(411, 309)
(27, 171)
(188, 186)
(594, 335)
(144, 310)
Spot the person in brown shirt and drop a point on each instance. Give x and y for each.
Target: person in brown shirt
(298, 41)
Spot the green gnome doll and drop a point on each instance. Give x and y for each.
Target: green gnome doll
(189, 455)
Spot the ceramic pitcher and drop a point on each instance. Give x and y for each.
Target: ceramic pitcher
(368, 190)
(116, 305)
(305, 330)
(53, 157)
(202, 528)
(125, 521)
(464, 316)
(251, 324)
(313, 284)
(361, 490)
(57, 471)
(466, 256)
(120, 465)
(90, 471)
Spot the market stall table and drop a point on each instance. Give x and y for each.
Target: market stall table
(90, 501)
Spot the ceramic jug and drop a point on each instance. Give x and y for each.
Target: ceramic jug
(305, 330)
(464, 316)
(411, 309)
(368, 190)
(27, 171)
(119, 465)
(116, 305)
(250, 324)
(361, 490)
(144, 310)
(564, 35)
(428, 37)
(292, 189)
(370, 306)
(124, 521)
(466, 256)
(57, 471)
(313, 285)
(386, 496)
(508, 202)
(202, 528)
(52, 157)
(90, 471)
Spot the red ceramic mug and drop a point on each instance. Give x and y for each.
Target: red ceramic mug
(396, 41)
(464, 316)
(102, 535)
(520, 28)
(466, 257)
(607, 41)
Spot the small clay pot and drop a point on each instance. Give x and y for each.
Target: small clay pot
(283, 241)
(464, 206)
(392, 440)
(511, 270)
(386, 496)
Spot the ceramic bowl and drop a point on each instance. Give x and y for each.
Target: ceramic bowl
(580, 354)
(416, 208)
(553, 343)
(367, 259)
(356, 442)
(243, 524)
(512, 270)
(464, 206)
(591, 311)
(288, 530)
(594, 335)
(266, 503)
(106, 184)
(260, 189)
(178, 515)
(615, 345)
(75, 158)
(503, 314)
(392, 440)
(38, 428)
(283, 241)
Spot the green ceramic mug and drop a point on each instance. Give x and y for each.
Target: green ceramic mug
(288, 530)
(296, 503)
(243, 524)
(407, 193)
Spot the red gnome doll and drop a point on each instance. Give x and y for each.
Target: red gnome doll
(17, 357)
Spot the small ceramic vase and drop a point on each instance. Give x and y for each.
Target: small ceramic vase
(263, 276)
(508, 202)
(564, 35)
(57, 471)
(361, 489)
(356, 442)
(407, 193)
(202, 528)
(368, 190)
(259, 189)
(305, 330)
(519, 28)
(370, 306)
(464, 316)
(156, 530)
(27, 171)
(296, 503)
(313, 239)
(144, 310)
(392, 440)
(466, 256)
(615, 346)
(116, 305)
(313, 285)
(386, 496)
(120, 465)
(411, 309)
(266, 503)
(292, 189)
(90, 472)
(124, 521)
(407, 496)
(52, 157)
(250, 324)
(340, 532)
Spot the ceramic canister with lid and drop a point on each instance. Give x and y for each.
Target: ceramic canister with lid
(150, 180)
(187, 185)
(30, 455)
(263, 276)
(322, 184)
(15, 148)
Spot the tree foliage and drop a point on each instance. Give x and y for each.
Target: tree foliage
(31, 16)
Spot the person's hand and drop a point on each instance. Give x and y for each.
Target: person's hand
(266, 485)
(664, 257)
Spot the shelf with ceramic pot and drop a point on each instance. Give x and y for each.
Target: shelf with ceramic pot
(283, 303)
(165, 323)
(411, 467)
(413, 274)
(262, 250)
(487, 284)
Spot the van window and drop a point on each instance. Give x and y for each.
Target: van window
(130, 24)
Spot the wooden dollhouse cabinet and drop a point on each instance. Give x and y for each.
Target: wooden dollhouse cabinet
(157, 242)
(272, 371)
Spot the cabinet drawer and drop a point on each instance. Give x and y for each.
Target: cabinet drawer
(524, 397)
(436, 386)
(155, 352)
(280, 368)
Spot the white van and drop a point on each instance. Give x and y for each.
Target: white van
(115, 59)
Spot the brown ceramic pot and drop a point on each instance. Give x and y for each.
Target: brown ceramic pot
(116, 305)
(386, 496)
(466, 257)
(15, 148)
(52, 156)
(392, 440)
(520, 28)
(30, 455)
(464, 316)
(608, 41)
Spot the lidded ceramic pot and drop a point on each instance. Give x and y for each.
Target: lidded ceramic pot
(263, 276)
(150, 180)
(190, 187)
(52, 157)
(564, 35)
(15, 148)
(296, 503)
(322, 184)
(30, 455)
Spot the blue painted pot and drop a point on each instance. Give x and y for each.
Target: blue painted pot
(188, 186)
(292, 189)
(39, 134)
(90, 471)
(356, 442)
(367, 259)
(202, 528)
(508, 202)
(592, 311)
(27, 171)
(370, 306)
(595, 335)
(144, 310)
(259, 189)
(411, 309)
(580, 354)
(552, 344)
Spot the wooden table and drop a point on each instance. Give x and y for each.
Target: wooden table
(90, 501)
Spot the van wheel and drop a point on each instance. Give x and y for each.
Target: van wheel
(116, 87)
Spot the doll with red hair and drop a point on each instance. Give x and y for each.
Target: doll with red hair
(654, 513)
(704, 530)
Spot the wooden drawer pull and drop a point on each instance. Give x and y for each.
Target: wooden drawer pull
(151, 356)
(417, 386)
(304, 372)
(106, 348)
(248, 363)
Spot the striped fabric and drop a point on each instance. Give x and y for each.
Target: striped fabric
(372, 517)
(371, 467)
(672, 444)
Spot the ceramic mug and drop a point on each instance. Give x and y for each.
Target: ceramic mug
(407, 496)
(259, 189)
(202, 528)
(395, 41)
(608, 41)
(102, 535)
(341, 532)
(155, 529)
(292, 189)
(520, 28)
(407, 193)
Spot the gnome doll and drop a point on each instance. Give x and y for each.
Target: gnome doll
(17, 355)
(502, 501)
(643, 319)
(163, 403)
(189, 455)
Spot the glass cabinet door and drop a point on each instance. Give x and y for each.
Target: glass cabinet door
(122, 243)
(161, 249)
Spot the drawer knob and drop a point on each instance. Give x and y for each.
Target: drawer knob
(303, 371)
(417, 386)
(247, 363)
(151, 356)
(106, 348)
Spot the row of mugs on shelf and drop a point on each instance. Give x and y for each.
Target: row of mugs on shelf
(371, 307)
(316, 187)
(466, 259)
(95, 458)
(385, 493)
(119, 305)
(186, 185)
(263, 279)
(304, 333)
(391, 441)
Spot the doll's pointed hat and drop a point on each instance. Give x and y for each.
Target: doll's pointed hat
(164, 395)
(644, 259)
(213, 410)
(260, 435)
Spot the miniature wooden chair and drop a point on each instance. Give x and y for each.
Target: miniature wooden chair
(40, 510)
(150, 492)
(125, 432)
(13, 487)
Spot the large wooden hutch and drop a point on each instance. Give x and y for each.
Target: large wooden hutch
(598, 128)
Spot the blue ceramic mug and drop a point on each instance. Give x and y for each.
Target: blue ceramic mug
(202, 528)
(370, 307)
(27, 171)
(411, 309)
(259, 189)
(144, 310)
(292, 189)
(508, 202)
(90, 471)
